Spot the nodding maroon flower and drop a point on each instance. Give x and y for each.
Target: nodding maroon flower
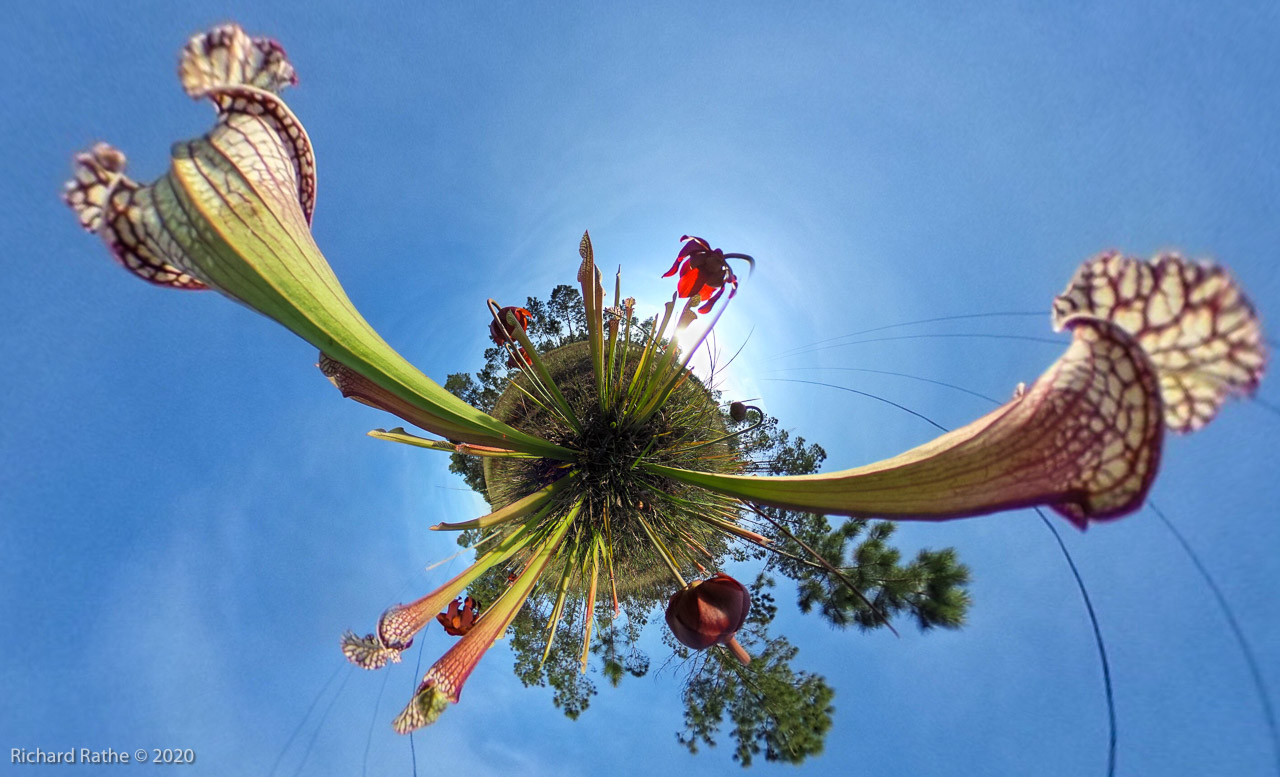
(703, 268)
(499, 330)
(458, 620)
(710, 612)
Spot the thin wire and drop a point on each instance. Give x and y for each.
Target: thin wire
(1038, 313)
(1250, 658)
(417, 667)
(944, 384)
(864, 394)
(320, 724)
(979, 335)
(736, 353)
(368, 741)
(1246, 650)
(1097, 638)
(1266, 405)
(1084, 591)
(298, 728)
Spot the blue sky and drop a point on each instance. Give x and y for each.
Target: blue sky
(191, 515)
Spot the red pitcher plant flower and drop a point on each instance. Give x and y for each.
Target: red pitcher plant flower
(500, 331)
(459, 618)
(607, 463)
(704, 272)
